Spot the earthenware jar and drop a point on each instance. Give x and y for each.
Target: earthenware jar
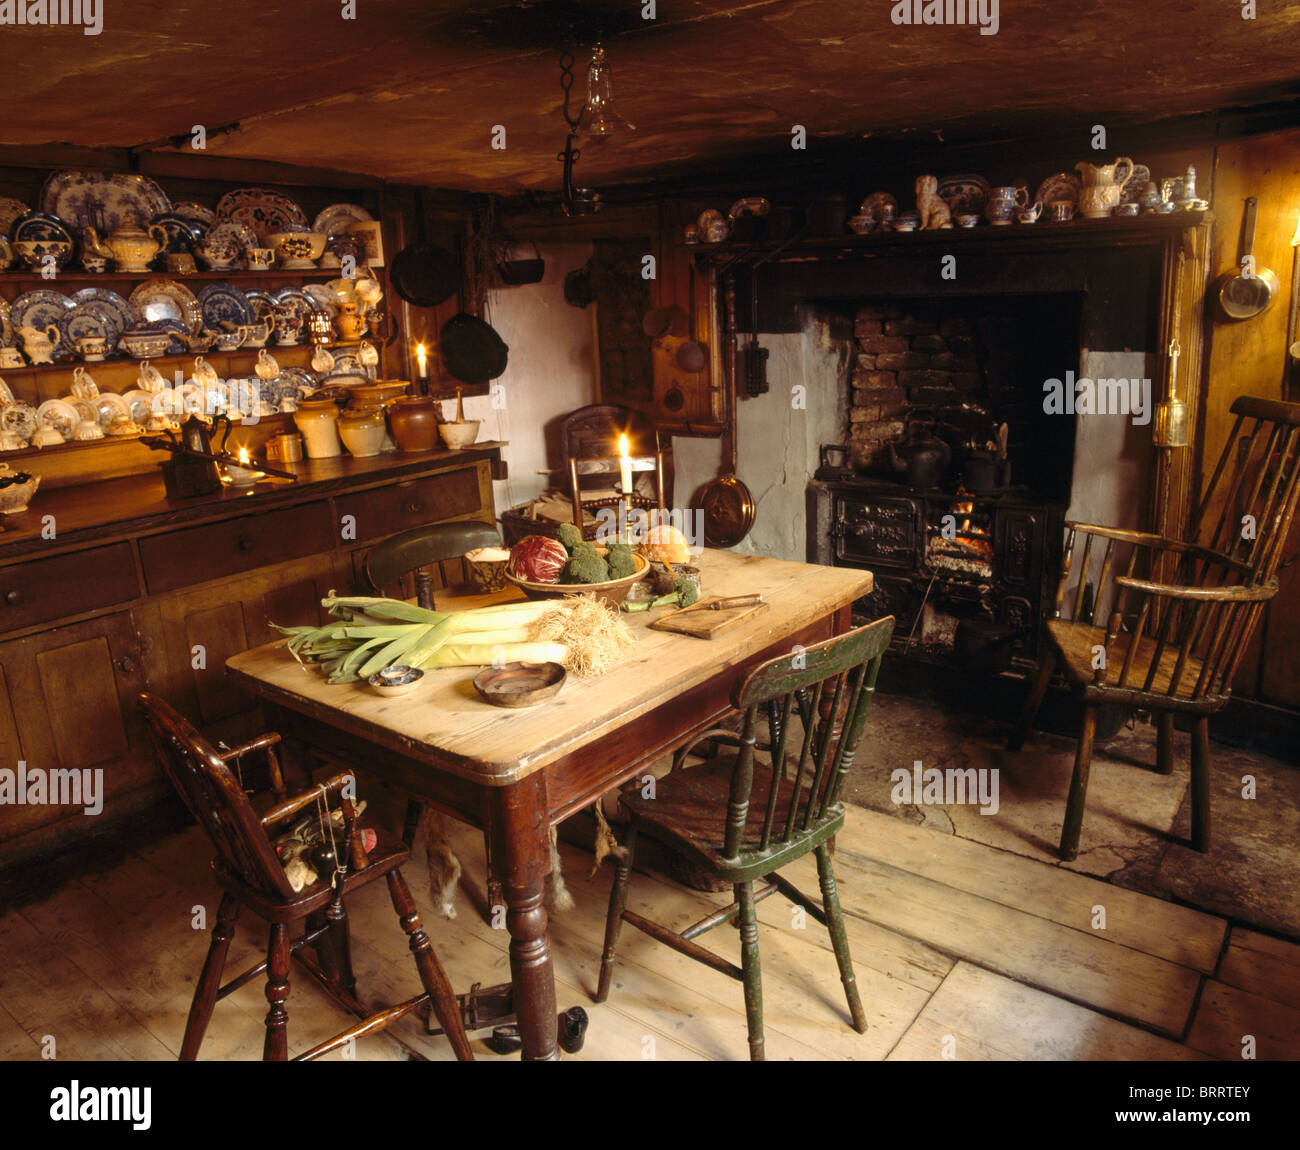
(414, 420)
(133, 247)
(318, 421)
(363, 430)
(1003, 204)
(1103, 186)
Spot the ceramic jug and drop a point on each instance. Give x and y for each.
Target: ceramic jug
(133, 248)
(1003, 204)
(1103, 186)
(318, 421)
(40, 343)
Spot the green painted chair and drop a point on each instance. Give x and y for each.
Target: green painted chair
(742, 819)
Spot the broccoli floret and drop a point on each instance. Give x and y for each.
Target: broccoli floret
(569, 535)
(585, 566)
(688, 591)
(621, 560)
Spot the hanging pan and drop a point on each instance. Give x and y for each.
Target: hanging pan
(423, 273)
(471, 349)
(727, 504)
(1239, 295)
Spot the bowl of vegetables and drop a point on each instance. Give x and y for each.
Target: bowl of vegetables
(544, 568)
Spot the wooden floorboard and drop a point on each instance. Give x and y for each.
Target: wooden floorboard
(949, 938)
(979, 1016)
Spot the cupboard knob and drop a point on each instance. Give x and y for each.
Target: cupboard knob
(126, 664)
(414, 507)
(13, 598)
(244, 543)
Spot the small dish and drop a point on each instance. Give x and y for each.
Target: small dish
(395, 681)
(520, 684)
(487, 568)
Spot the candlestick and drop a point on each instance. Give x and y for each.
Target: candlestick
(624, 466)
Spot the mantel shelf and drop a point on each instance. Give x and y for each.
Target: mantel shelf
(35, 279)
(986, 238)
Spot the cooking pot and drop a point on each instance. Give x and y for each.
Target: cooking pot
(923, 459)
(471, 350)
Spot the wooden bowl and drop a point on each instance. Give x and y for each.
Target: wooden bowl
(520, 684)
(613, 591)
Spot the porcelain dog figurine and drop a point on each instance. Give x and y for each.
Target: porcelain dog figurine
(934, 211)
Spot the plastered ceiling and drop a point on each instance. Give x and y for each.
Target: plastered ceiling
(412, 91)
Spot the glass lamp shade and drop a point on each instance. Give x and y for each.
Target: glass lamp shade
(600, 116)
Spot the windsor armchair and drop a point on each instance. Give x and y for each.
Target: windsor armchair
(1180, 618)
(250, 874)
(418, 549)
(743, 820)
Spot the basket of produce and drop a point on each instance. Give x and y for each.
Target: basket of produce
(544, 568)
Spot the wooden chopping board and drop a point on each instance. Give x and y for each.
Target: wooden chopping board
(699, 621)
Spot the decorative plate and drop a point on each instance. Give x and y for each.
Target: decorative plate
(964, 194)
(1132, 193)
(873, 204)
(324, 299)
(6, 329)
(224, 303)
(347, 363)
(297, 382)
(39, 309)
(87, 319)
(60, 415)
(87, 409)
(262, 303)
(182, 233)
(110, 303)
(1062, 186)
(195, 213)
(11, 211)
(261, 209)
(296, 301)
(38, 226)
(239, 234)
(110, 406)
(167, 299)
(104, 202)
(20, 417)
(337, 218)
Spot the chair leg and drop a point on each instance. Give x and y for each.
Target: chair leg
(750, 966)
(614, 917)
(1165, 743)
(1201, 783)
(432, 976)
(276, 1047)
(1025, 723)
(205, 994)
(1078, 786)
(839, 936)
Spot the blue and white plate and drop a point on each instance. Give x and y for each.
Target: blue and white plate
(195, 213)
(104, 202)
(296, 301)
(225, 303)
(87, 319)
(36, 227)
(965, 195)
(296, 382)
(39, 309)
(262, 303)
(182, 234)
(112, 304)
(166, 299)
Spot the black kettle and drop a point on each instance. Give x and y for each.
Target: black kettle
(923, 459)
(197, 440)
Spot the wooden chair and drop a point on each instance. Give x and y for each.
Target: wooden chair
(742, 824)
(1181, 616)
(419, 549)
(589, 439)
(251, 875)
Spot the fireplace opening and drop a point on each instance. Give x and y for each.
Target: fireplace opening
(953, 478)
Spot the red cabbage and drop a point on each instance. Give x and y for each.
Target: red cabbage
(538, 559)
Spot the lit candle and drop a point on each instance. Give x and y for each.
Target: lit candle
(245, 474)
(422, 360)
(624, 466)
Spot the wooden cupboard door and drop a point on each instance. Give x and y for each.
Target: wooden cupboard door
(69, 704)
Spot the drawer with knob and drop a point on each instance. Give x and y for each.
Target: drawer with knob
(387, 510)
(233, 546)
(41, 590)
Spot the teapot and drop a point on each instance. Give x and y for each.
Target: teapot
(93, 246)
(1102, 186)
(40, 343)
(923, 459)
(132, 248)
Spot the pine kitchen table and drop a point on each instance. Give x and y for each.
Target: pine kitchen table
(516, 773)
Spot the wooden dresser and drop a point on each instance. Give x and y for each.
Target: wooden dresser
(108, 589)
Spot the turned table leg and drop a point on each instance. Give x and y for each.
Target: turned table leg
(521, 841)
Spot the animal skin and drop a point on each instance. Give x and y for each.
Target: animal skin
(934, 211)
